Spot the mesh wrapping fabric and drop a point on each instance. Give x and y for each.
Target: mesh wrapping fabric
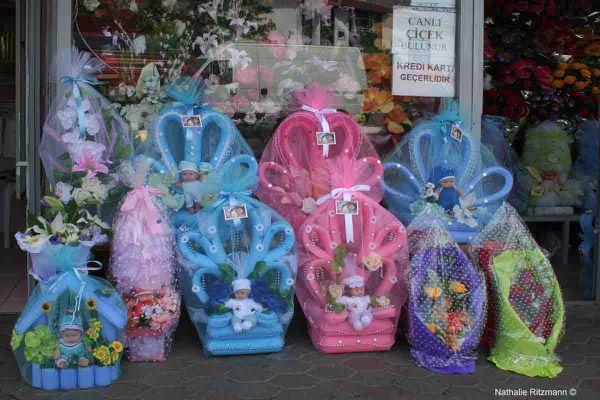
(446, 301)
(142, 265)
(351, 279)
(83, 135)
(293, 160)
(438, 149)
(68, 335)
(240, 264)
(528, 299)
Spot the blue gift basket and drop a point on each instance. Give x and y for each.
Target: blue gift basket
(240, 265)
(68, 334)
(438, 162)
(188, 130)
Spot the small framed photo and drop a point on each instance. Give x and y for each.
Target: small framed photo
(234, 212)
(456, 133)
(346, 207)
(191, 121)
(325, 138)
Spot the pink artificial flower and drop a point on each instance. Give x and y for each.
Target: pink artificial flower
(276, 41)
(266, 75)
(87, 163)
(246, 76)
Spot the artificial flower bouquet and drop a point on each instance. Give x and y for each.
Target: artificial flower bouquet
(84, 138)
(446, 300)
(528, 299)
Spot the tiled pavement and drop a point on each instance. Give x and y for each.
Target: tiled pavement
(300, 372)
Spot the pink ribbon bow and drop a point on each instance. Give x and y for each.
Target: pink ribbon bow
(139, 199)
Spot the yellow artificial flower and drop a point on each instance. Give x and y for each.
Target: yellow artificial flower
(97, 325)
(117, 346)
(458, 287)
(433, 292)
(558, 83)
(582, 84)
(593, 49)
(586, 73)
(90, 304)
(577, 66)
(92, 334)
(115, 356)
(570, 79)
(559, 73)
(102, 353)
(46, 307)
(431, 327)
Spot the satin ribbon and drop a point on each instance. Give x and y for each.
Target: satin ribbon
(76, 271)
(321, 115)
(139, 199)
(346, 193)
(231, 197)
(77, 98)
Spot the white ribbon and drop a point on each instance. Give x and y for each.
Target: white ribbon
(320, 114)
(347, 196)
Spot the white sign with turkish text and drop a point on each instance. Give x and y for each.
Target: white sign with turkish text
(424, 49)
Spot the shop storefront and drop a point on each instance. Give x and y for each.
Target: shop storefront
(511, 68)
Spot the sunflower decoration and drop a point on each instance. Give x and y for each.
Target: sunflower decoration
(90, 303)
(46, 307)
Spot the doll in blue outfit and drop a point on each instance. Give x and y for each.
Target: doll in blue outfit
(447, 195)
(70, 349)
(192, 177)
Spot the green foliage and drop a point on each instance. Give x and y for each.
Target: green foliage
(40, 345)
(333, 305)
(228, 273)
(15, 340)
(340, 252)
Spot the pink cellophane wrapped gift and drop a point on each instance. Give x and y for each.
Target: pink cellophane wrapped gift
(294, 161)
(353, 253)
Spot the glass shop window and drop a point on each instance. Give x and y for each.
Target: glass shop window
(253, 54)
(541, 105)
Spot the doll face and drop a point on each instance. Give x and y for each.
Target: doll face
(71, 335)
(242, 294)
(357, 291)
(189, 176)
(447, 183)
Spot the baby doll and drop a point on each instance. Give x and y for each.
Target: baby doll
(447, 195)
(192, 178)
(357, 303)
(70, 348)
(244, 309)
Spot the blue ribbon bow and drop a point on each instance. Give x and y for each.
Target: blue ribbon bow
(77, 97)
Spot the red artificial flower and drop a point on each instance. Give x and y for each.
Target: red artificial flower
(455, 323)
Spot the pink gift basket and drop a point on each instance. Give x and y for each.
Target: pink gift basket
(294, 161)
(353, 253)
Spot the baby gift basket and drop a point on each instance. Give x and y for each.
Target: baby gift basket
(142, 264)
(353, 254)
(191, 131)
(296, 156)
(68, 335)
(240, 266)
(438, 163)
(446, 299)
(528, 299)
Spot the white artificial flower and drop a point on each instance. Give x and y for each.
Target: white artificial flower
(326, 65)
(77, 147)
(139, 45)
(80, 195)
(32, 243)
(92, 124)
(96, 188)
(133, 7)
(63, 191)
(308, 205)
(487, 82)
(85, 104)
(250, 118)
(180, 27)
(57, 225)
(94, 219)
(347, 85)
(287, 86)
(91, 5)
(67, 117)
(265, 107)
(239, 59)
(383, 301)
(169, 4)
(205, 42)
(211, 7)
(242, 25)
